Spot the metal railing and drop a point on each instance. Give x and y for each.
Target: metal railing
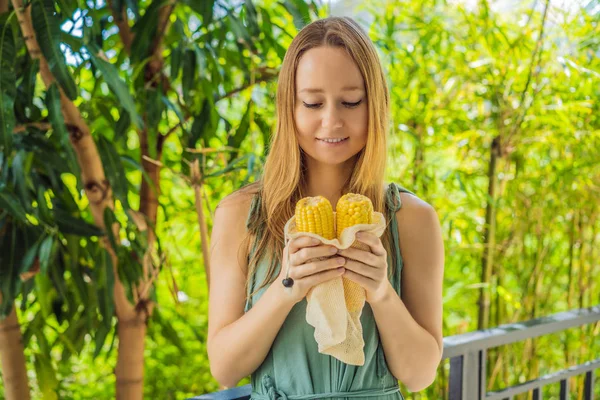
(468, 355)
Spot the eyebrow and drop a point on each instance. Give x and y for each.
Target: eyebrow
(344, 89)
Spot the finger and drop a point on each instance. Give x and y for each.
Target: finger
(363, 256)
(314, 280)
(305, 270)
(372, 241)
(362, 269)
(315, 253)
(358, 278)
(301, 242)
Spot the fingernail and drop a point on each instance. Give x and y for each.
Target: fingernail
(333, 250)
(315, 241)
(341, 260)
(359, 235)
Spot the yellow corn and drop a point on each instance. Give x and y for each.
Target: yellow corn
(353, 209)
(315, 215)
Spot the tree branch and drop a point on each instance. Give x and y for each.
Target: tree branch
(122, 23)
(3, 6)
(43, 126)
(532, 66)
(268, 75)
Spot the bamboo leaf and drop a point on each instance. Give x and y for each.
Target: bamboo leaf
(55, 114)
(8, 88)
(45, 253)
(109, 220)
(30, 256)
(189, 74)
(123, 124)
(113, 168)
(47, 29)
(10, 203)
(299, 10)
(204, 8)
(144, 30)
(75, 226)
(116, 84)
(252, 17)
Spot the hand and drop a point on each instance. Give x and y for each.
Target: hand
(369, 269)
(310, 264)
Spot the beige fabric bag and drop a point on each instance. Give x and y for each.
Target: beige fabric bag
(338, 330)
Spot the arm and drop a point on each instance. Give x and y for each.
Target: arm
(237, 343)
(411, 327)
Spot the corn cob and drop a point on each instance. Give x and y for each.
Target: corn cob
(353, 209)
(315, 215)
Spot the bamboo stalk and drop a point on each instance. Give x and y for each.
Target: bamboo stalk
(197, 184)
(489, 234)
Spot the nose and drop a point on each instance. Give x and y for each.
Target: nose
(331, 119)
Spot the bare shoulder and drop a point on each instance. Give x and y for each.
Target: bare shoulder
(414, 212)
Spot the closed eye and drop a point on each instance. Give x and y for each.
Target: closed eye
(348, 105)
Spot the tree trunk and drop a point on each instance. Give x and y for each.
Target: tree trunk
(12, 359)
(130, 362)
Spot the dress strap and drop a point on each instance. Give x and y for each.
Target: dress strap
(254, 228)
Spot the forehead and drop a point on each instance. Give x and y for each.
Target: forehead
(327, 69)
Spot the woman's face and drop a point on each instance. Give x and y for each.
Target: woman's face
(330, 103)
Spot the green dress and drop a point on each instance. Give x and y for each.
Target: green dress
(295, 370)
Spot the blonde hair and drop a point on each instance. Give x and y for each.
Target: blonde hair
(283, 179)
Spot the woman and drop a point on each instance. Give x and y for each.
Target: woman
(331, 87)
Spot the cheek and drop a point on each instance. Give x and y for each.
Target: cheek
(306, 123)
(357, 120)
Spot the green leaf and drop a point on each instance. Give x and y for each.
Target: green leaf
(116, 84)
(176, 54)
(145, 29)
(48, 33)
(30, 256)
(189, 74)
(123, 124)
(241, 132)
(8, 89)
(55, 114)
(167, 330)
(45, 253)
(29, 80)
(106, 282)
(299, 10)
(204, 8)
(109, 220)
(139, 168)
(10, 203)
(252, 17)
(75, 226)
(113, 168)
(46, 375)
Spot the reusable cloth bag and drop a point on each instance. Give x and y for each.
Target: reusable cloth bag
(338, 330)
